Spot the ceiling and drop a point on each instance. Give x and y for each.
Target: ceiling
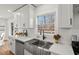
(5, 7)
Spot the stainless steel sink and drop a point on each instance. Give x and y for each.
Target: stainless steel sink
(40, 43)
(47, 45)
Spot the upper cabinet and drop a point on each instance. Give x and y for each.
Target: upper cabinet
(24, 17)
(66, 12)
(31, 16)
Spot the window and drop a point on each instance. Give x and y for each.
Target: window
(46, 23)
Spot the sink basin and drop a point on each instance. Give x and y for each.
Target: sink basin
(47, 45)
(40, 43)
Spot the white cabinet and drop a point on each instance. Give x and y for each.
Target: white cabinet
(66, 15)
(25, 17)
(19, 20)
(28, 15)
(31, 16)
(12, 44)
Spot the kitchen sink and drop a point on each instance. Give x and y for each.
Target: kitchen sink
(47, 45)
(40, 43)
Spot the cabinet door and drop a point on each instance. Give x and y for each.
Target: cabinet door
(71, 14)
(66, 15)
(31, 16)
(26, 16)
(22, 16)
(19, 48)
(18, 19)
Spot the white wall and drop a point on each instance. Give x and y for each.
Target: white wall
(66, 36)
(3, 22)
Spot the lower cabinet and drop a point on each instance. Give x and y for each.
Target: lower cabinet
(27, 52)
(19, 47)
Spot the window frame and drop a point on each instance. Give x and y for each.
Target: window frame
(50, 14)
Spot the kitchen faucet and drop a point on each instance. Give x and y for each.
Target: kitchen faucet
(43, 34)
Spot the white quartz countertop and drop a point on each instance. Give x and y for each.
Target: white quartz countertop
(61, 49)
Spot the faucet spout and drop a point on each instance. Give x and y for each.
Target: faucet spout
(43, 35)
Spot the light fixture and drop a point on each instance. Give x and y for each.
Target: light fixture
(18, 13)
(10, 11)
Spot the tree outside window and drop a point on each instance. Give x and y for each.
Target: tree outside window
(46, 23)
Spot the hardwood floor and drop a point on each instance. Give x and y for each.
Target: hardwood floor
(5, 50)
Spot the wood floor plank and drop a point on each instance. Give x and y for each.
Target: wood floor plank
(5, 50)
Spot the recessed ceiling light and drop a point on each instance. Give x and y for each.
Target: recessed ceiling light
(18, 13)
(9, 11)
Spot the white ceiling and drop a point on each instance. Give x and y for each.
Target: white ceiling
(5, 7)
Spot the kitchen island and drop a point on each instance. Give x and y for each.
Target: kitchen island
(19, 44)
(55, 49)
